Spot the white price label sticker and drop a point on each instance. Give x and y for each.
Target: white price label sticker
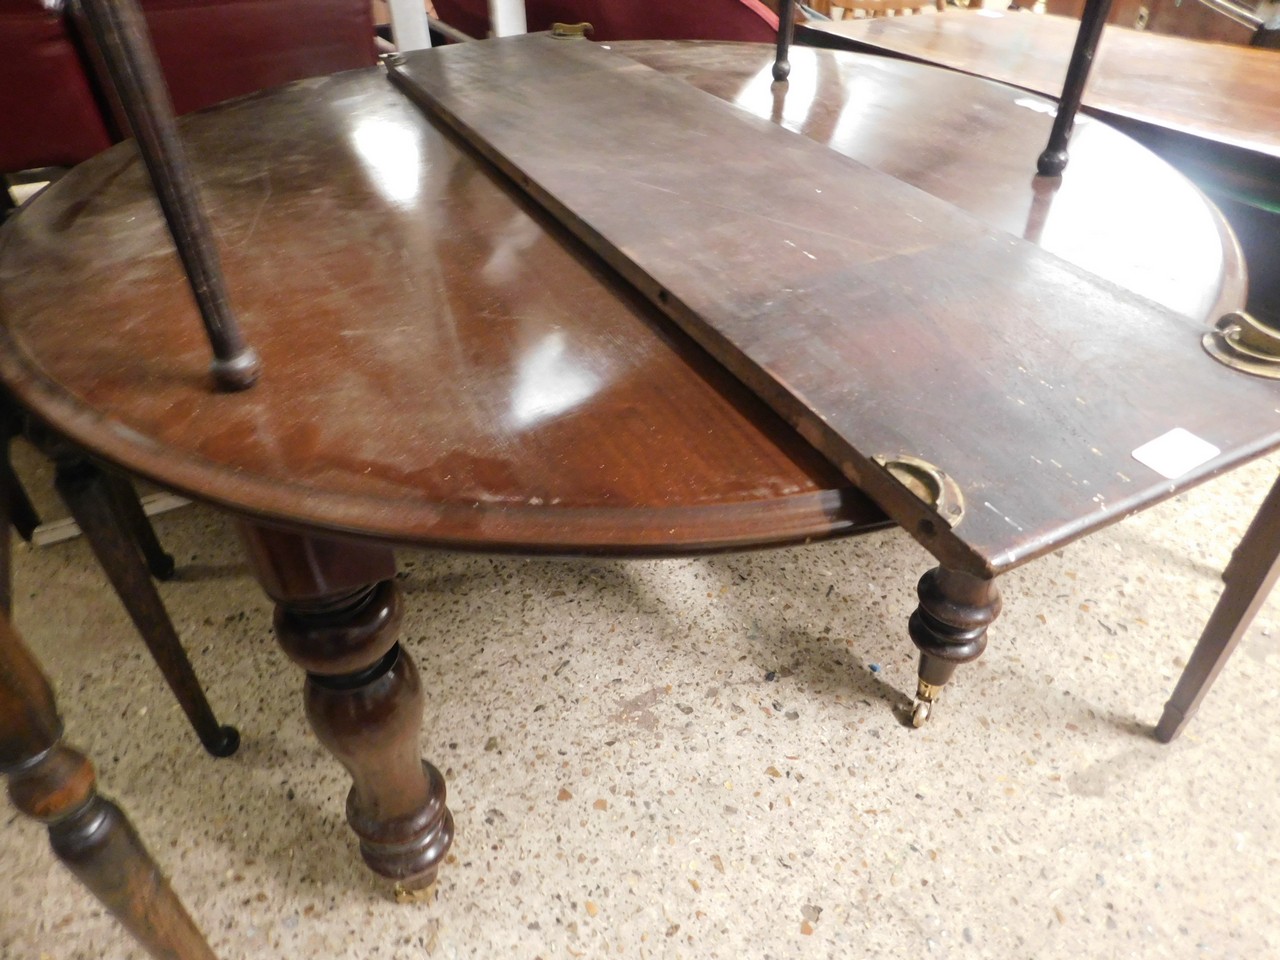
(1175, 453)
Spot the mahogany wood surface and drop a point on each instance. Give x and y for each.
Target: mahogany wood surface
(338, 613)
(447, 367)
(1219, 92)
(879, 321)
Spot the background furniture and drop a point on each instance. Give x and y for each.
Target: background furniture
(56, 785)
(1213, 20)
(1212, 110)
(106, 508)
(629, 19)
(55, 113)
(855, 9)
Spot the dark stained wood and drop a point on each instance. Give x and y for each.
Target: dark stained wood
(1195, 21)
(123, 46)
(949, 628)
(786, 32)
(524, 399)
(1211, 110)
(53, 783)
(1249, 577)
(96, 509)
(1218, 92)
(337, 616)
(880, 322)
(1054, 158)
(136, 525)
(447, 367)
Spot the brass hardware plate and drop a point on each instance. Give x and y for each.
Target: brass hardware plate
(1242, 343)
(571, 31)
(928, 483)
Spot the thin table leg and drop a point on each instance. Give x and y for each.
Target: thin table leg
(94, 508)
(129, 509)
(53, 783)
(950, 628)
(1249, 577)
(337, 617)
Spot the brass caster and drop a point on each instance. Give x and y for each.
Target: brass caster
(920, 715)
(403, 894)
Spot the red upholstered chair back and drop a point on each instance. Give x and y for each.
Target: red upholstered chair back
(630, 19)
(49, 116)
(53, 114)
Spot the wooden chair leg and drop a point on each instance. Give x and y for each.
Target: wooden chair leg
(56, 785)
(1249, 577)
(94, 508)
(138, 526)
(22, 512)
(13, 502)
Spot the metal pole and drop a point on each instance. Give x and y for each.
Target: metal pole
(119, 34)
(507, 18)
(786, 27)
(1054, 159)
(409, 25)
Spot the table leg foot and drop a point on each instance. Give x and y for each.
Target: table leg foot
(950, 628)
(337, 616)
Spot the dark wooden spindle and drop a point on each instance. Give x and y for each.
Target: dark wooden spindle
(119, 34)
(1054, 158)
(786, 27)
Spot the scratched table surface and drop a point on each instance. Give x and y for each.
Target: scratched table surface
(1215, 91)
(445, 364)
(883, 323)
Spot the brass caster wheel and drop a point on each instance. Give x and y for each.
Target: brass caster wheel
(920, 715)
(402, 894)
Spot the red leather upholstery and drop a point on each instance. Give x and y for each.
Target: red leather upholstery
(630, 19)
(48, 115)
(210, 50)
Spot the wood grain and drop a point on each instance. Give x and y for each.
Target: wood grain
(1219, 92)
(449, 367)
(879, 321)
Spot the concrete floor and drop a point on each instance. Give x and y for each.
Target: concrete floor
(628, 783)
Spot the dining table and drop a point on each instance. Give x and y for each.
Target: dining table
(1211, 109)
(446, 365)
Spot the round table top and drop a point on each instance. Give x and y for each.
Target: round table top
(443, 365)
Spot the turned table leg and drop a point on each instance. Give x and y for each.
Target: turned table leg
(337, 616)
(56, 785)
(949, 628)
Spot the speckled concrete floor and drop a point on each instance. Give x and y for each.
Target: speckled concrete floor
(626, 781)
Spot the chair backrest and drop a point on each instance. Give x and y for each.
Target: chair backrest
(52, 112)
(747, 20)
(49, 113)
